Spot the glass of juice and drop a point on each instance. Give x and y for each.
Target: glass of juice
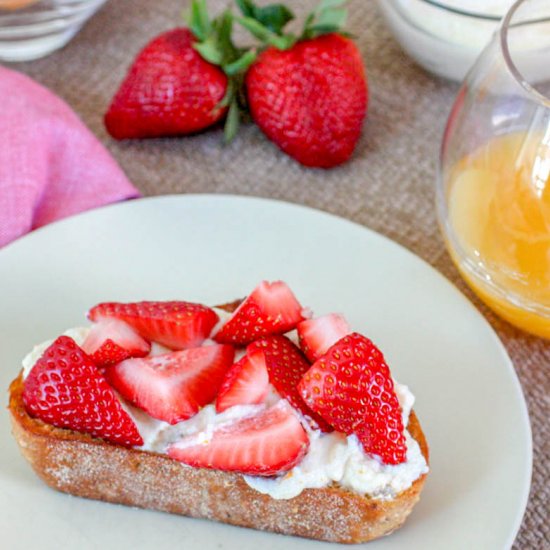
(493, 192)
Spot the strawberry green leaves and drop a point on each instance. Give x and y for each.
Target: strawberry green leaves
(267, 23)
(265, 35)
(199, 21)
(215, 45)
(214, 41)
(329, 16)
(274, 16)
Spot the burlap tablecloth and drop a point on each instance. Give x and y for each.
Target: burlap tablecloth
(388, 186)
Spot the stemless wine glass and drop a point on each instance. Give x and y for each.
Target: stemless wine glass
(493, 191)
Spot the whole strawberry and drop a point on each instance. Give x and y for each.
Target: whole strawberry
(182, 81)
(308, 95)
(169, 90)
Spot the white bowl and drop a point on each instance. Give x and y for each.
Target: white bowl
(442, 37)
(37, 28)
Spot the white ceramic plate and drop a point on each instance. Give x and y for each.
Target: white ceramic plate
(215, 248)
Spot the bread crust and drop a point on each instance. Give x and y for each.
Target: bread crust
(84, 466)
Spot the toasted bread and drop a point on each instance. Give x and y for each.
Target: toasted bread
(81, 465)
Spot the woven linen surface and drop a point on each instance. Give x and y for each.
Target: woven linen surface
(388, 186)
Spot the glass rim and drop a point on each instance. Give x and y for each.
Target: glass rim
(505, 26)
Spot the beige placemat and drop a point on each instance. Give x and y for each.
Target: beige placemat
(388, 186)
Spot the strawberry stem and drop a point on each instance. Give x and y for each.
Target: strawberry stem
(241, 64)
(233, 121)
(198, 20)
(267, 23)
(214, 42)
(265, 35)
(274, 16)
(215, 45)
(329, 16)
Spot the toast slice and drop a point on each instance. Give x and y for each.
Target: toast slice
(81, 465)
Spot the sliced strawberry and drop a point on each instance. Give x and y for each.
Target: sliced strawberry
(285, 366)
(177, 325)
(111, 341)
(65, 389)
(172, 387)
(266, 444)
(352, 389)
(317, 335)
(271, 308)
(245, 383)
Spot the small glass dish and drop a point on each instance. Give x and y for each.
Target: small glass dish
(30, 29)
(493, 189)
(445, 37)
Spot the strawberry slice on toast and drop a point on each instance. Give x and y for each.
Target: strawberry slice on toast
(176, 325)
(65, 389)
(111, 341)
(245, 383)
(285, 366)
(318, 334)
(174, 386)
(266, 444)
(271, 308)
(352, 389)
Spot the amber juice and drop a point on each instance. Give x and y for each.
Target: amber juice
(499, 211)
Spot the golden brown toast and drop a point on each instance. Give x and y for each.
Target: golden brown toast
(84, 466)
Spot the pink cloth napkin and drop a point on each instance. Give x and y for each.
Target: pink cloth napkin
(51, 165)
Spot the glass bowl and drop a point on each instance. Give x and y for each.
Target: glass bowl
(493, 189)
(30, 29)
(443, 37)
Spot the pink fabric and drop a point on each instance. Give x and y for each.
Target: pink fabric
(51, 165)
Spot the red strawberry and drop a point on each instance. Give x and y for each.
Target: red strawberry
(271, 308)
(267, 444)
(352, 389)
(177, 325)
(310, 99)
(317, 335)
(172, 387)
(65, 389)
(245, 383)
(286, 365)
(169, 90)
(111, 341)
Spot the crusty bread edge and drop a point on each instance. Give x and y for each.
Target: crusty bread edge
(84, 466)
